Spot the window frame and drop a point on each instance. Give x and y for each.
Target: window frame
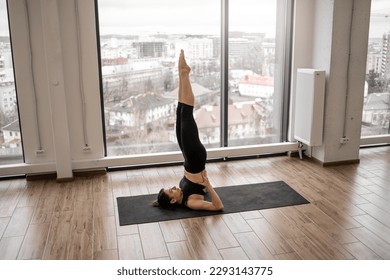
(379, 139)
(224, 151)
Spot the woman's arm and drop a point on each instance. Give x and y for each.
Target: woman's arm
(200, 204)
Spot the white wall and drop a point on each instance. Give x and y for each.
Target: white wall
(322, 41)
(55, 60)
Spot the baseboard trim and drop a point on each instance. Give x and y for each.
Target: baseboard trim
(90, 172)
(76, 173)
(41, 176)
(335, 163)
(343, 162)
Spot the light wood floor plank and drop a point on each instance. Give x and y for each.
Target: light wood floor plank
(106, 255)
(58, 242)
(136, 186)
(378, 201)
(119, 184)
(103, 205)
(236, 223)
(10, 197)
(272, 239)
(375, 226)
(329, 248)
(34, 243)
(46, 204)
(180, 251)
(251, 215)
(236, 253)
(361, 251)
(288, 256)
(377, 213)
(130, 248)
(84, 188)
(152, 240)
(280, 222)
(3, 225)
(66, 197)
(200, 240)
(372, 241)
(305, 248)
(9, 247)
(19, 222)
(173, 231)
(31, 195)
(81, 237)
(327, 224)
(105, 237)
(253, 246)
(340, 217)
(219, 232)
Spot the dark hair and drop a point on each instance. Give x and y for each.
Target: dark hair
(163, 200)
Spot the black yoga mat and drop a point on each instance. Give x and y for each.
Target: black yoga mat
(239, 198)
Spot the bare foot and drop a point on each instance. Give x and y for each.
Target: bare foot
(186, 95)
(184, 69)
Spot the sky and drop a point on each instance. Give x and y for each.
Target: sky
(3, 19)
(380, 18)
(197, 17)
(176, 16)
(180, 16)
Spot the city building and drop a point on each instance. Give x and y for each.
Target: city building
(246, 120)
(376, 112)
(11, 135)
(385, 67)
(7, 97)
(256, 86)
(374, 62)
(196, 47)
(149, 49)
(140, 110)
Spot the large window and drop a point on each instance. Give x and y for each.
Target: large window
(254, 105)
(10, 137)
(139, 44)
(376, 111)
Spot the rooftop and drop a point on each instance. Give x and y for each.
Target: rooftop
(257, 80)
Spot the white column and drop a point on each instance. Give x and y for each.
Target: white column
(57, 93)
(332, 35)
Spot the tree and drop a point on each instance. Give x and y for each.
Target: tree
(372, 78)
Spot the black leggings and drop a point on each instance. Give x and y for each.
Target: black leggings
(194, 152)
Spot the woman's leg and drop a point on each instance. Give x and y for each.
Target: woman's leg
(187, 134)
(186, 95)
(194, 152)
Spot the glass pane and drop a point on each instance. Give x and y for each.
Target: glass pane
(140, 44)
(376, 110)
(10, 137)
(254, 99)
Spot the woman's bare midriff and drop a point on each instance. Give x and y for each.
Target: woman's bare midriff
(195, 177)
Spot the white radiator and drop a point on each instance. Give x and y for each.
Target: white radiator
(309, 106)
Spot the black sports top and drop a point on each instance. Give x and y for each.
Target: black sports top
(188, 188)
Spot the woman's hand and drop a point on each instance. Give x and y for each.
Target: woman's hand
(215, 204)
(205, 182)
(198, 178)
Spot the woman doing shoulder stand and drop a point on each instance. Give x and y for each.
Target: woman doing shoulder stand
(195, 182)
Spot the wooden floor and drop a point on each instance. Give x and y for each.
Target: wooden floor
(348, 216)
